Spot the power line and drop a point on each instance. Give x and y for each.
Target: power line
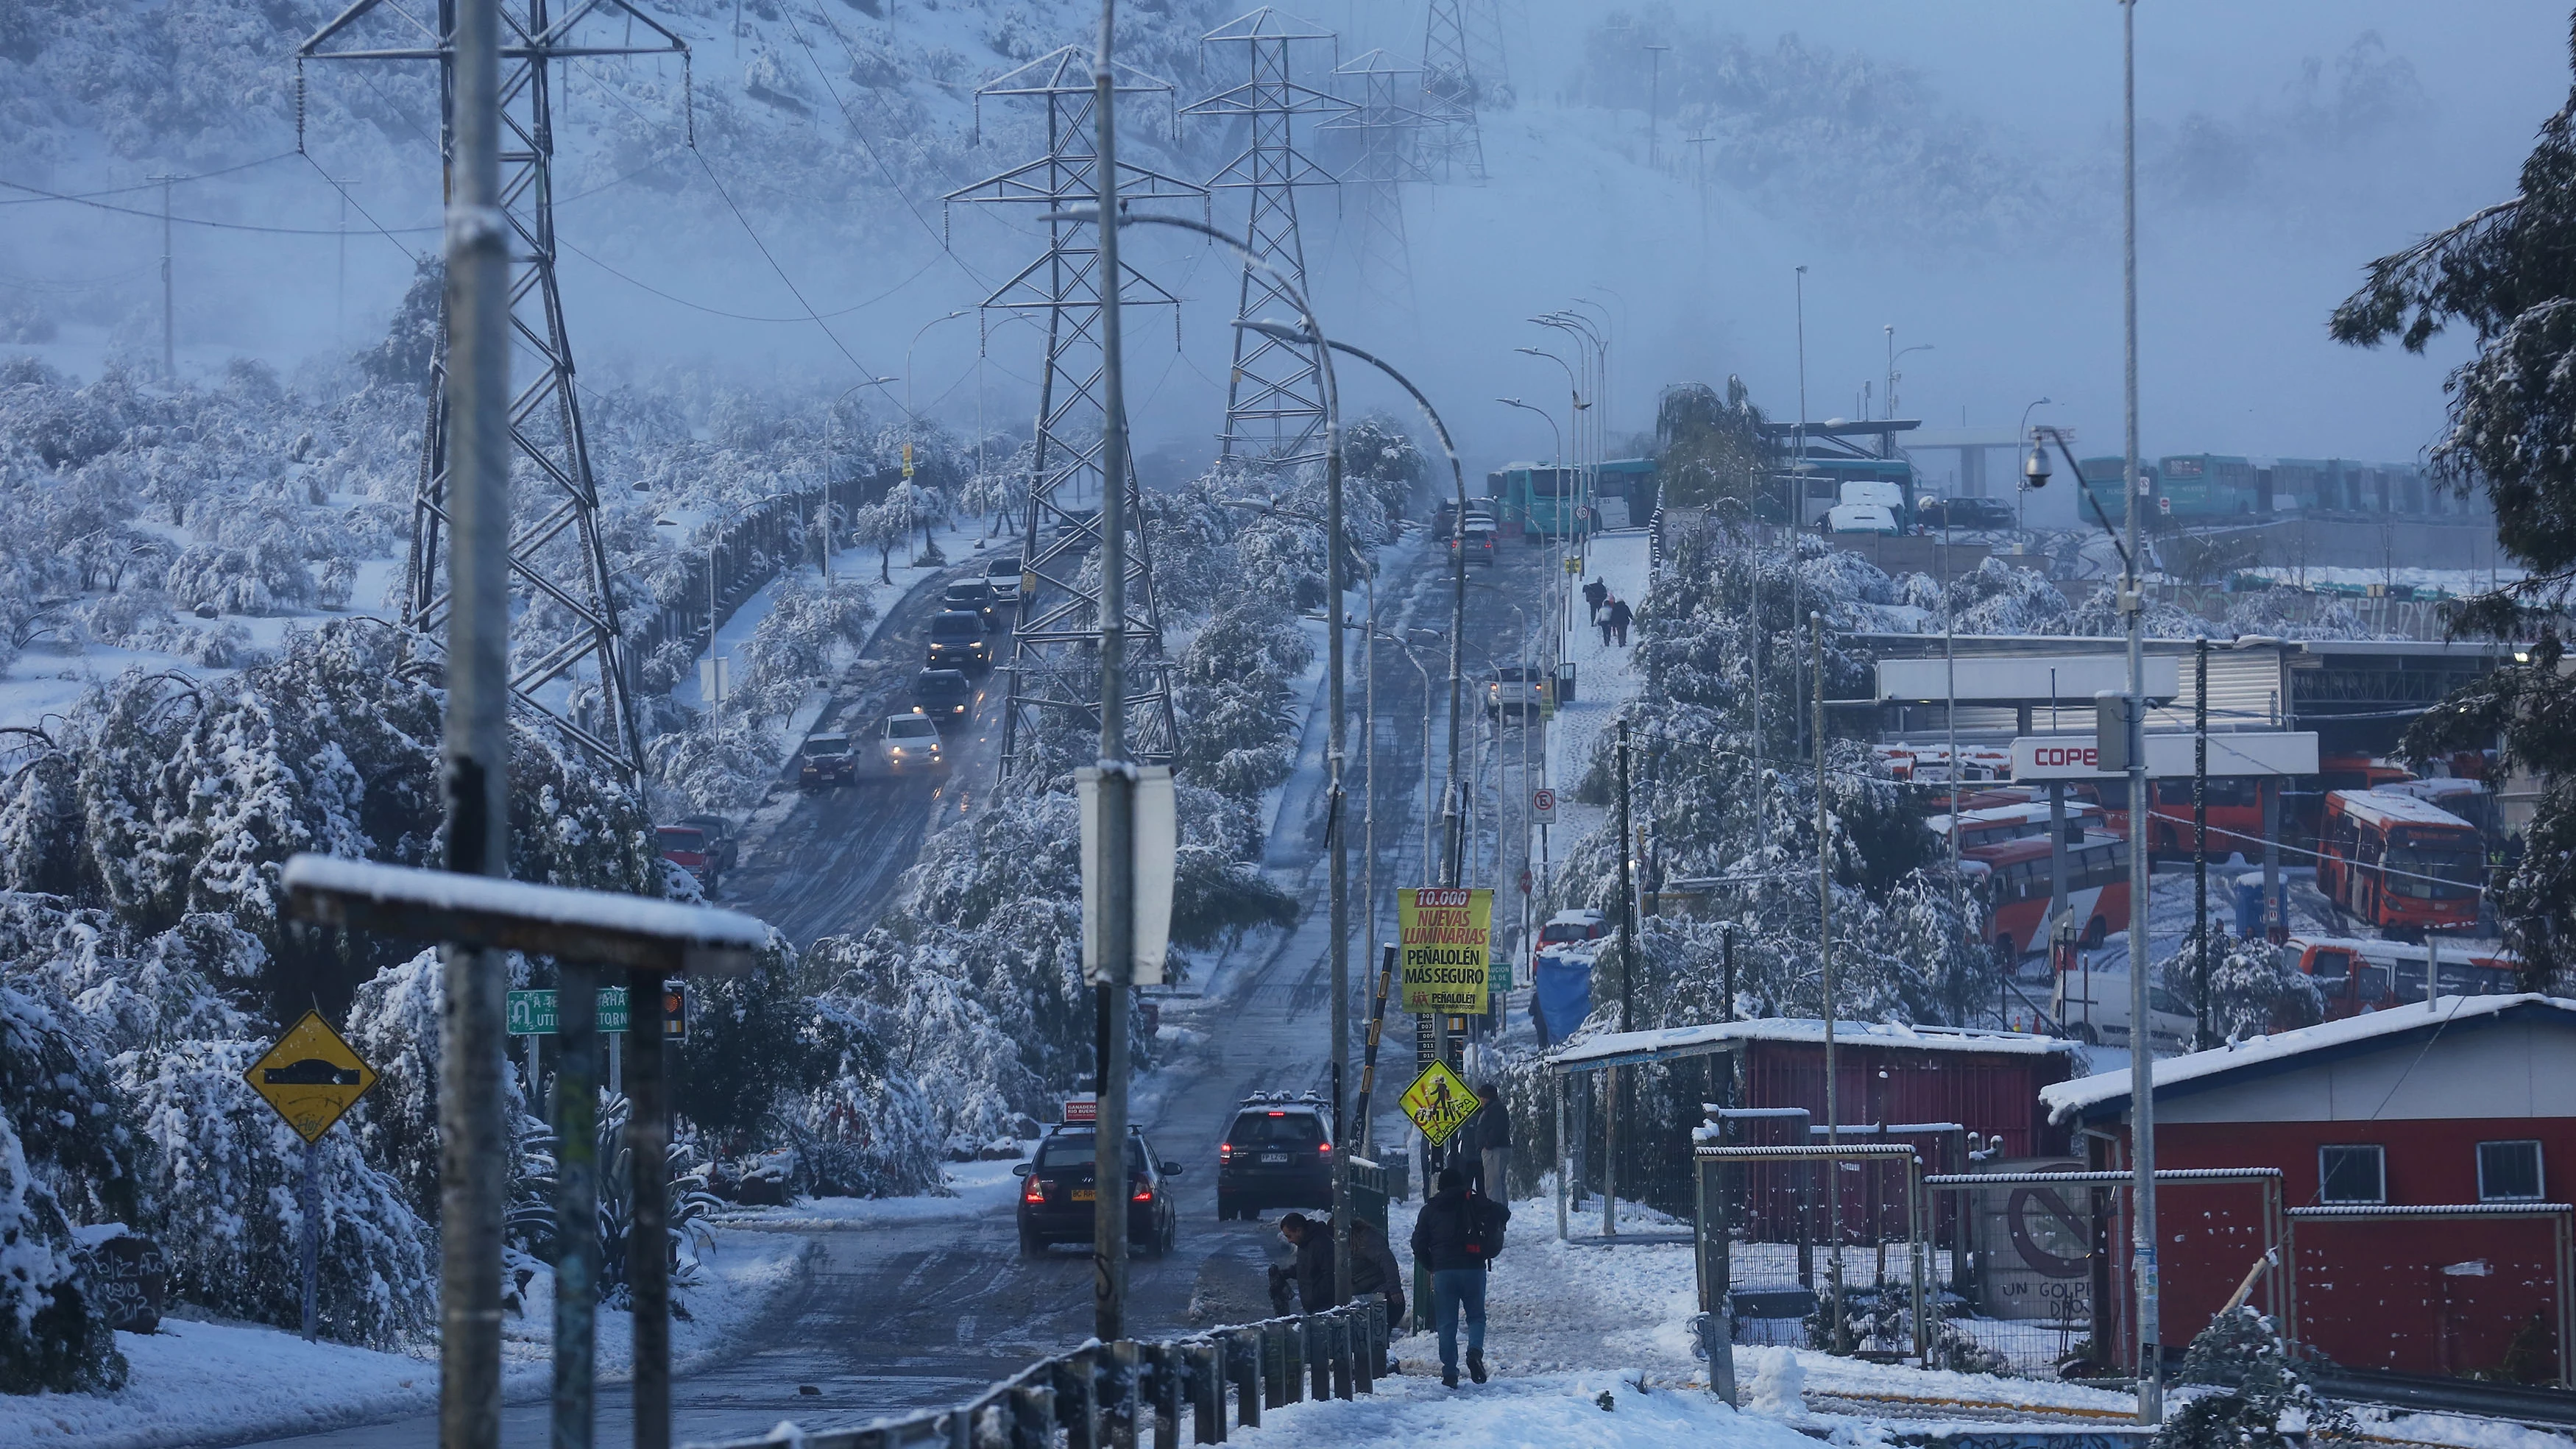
(793, 290)
(41, 193)
(742, 316)
(146, 185)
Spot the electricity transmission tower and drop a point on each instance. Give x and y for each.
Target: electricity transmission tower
(1455, 144)
(567, 660)
(1054, 661)
(1382, 133)
(1274, 404)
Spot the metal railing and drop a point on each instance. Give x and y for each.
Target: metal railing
(1130, 1393)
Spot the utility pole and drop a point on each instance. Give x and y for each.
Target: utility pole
(473, 1156)
(2142, 1094)
(1825, 959)
(1117, 867)
(1654, 100)
(2200, 838)
(169, 325)
(1627, 911)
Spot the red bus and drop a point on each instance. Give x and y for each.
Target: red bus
(2235, 807)
(2356, 975)
(2016, 875)
(2399, 863)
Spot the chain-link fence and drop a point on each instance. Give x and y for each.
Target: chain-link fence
(1821, 1247)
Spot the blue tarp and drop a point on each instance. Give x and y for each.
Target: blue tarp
(1563, 995)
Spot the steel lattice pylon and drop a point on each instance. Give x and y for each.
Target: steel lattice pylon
(1455, 143)
(573, 670)
(1274, 405)
(1383, 133)
(1054, 661)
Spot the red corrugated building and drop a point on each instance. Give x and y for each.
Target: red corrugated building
(2424, 1154)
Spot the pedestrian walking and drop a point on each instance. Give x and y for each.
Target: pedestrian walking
(1457, 1236)
(1602, 617)
(1375, 1270)
(1492, 1125)
(1619, 617)
(1595, 594)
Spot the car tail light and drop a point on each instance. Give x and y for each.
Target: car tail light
(1225, 1152)
(1325, 1148)
(1034, 1192)
(1145, 1192)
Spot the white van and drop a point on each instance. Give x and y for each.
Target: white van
(1861, 518)
(2093, 1006)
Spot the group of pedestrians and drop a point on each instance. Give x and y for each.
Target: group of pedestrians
(1610, 613)
(1455, 1240)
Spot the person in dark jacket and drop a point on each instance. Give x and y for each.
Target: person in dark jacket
(1313, 1270)
(1455, 1238)
(1595, 594)
(1618, 618)
(1492, 1126)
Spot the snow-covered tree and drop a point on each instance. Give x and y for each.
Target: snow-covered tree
(2506, 273)
(66, 1142)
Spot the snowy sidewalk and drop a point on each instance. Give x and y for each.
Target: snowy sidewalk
(1605, 677)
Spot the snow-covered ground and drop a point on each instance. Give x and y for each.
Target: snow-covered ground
(974, 1189)
(197, 1382)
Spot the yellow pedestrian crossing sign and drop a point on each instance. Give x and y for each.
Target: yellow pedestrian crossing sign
(1439, 1102)
(311, 1077)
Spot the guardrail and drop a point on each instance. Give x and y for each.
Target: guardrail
(1116, 1394)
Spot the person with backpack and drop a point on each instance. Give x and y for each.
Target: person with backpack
(1458, 1234)
(1595, 594)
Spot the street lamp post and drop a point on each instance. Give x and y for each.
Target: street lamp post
(1335, 588)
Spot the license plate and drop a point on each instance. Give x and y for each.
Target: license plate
(1084, 1194)
(1274, 1157)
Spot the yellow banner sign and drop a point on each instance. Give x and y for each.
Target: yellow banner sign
(311, 1076)
(1445, 939)
(1439, 1102)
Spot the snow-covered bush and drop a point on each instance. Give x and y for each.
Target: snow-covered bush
(2258, 1399)
(810, 627)
(228, 1170)
(2250, 989)
(64, 1143)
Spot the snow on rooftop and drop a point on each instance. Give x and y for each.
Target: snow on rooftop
(1805, 1029)
(452, 891)
(2065, 1099)
(2388, 807)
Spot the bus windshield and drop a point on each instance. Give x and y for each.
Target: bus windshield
(2436, 865)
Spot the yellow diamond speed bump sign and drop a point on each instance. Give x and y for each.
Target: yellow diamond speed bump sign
(1439, 1102)
(311, 1076)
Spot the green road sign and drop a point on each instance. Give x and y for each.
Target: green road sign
(532, 1013)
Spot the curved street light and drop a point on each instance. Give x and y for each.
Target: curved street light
(1513, 402)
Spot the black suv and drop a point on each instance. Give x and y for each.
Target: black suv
(946, 695)
(958, 641)
(1056, 1193)
(1278, 1153)
(972, 596)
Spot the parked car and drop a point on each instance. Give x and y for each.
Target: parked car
(959, 640)
(1513, 689)
(972, 596)
(688, 847)
(1059, 1191)
(909, 742)
(826, 760)
(946, 695)
(1277, 1153)
(1477, 538)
